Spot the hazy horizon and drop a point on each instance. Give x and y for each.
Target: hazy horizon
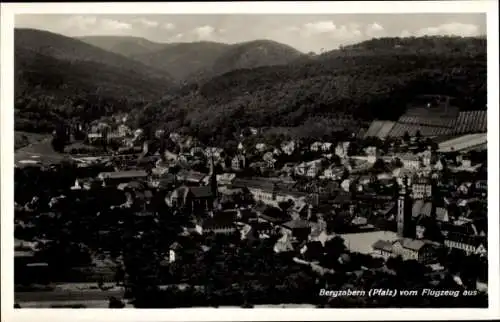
(304, 32)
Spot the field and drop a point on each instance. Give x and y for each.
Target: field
(463, 142)
(40, 152)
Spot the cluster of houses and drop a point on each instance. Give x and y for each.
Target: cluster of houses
(299, 202)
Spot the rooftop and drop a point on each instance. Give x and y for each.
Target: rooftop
(297, 224)
(123, 174)
(201, 192)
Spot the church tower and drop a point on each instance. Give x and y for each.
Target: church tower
(404, 207)
(213, 178)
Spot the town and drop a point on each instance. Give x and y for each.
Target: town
(128, 218)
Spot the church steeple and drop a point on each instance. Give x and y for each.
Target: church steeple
(404, 207)
(213, 177)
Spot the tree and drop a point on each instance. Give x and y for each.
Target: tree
(418, 135)
(406, 136)
(115, 303)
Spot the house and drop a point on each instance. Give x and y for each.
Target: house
(288, 147)
(214, 152)
(283, 245)
(238, 162)
(470, 244)
(115, 178)
(316, 146)
(173, 252)
(422, 251)
(268, 156)
(194, 199)
(94, 136)
(421, 188)
(270, 191)
(288, 168)
(217, 225)
(442, 215)
(161, 180)
(359, 221)
(333, 172)
(225, 178)
(326, 146)
(175, 137)
(410, 161)
(248, 232)
(269, 160)
(261, 147)
(341, 149)
(383, 248)
(85, 184)
(298, 229)
(372, 153)
(196, 150)
(190, 177)
(309, 169)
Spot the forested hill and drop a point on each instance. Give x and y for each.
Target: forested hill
(198, 60)
(124, 45)
(252, 54)
(375, 79)
(182, 60)
(60, 78)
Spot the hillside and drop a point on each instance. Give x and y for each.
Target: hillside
(195, 61)
(182, 60)
(59, 78)
(124, 45)
(250, 55)
(310, 96)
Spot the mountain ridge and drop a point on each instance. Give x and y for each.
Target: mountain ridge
(58, 78)
(328, 91)
(194, 61)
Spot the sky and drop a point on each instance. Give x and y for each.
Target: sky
(305, 32)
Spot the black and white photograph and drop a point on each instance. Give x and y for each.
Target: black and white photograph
(327, 160)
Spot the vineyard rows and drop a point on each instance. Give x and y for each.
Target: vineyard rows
(400, 129)
(471, 122)
(428, 121)
(464, 123)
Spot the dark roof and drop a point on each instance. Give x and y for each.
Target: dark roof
(413, 244)
(135, 185)
(296, 224)
(217, 223)
(383, 245)
(254, 183)
(274, 220)
(123, 174)
(190, 175)
(261, 208)
(201, 192)
(175, 246)
(468, 239)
